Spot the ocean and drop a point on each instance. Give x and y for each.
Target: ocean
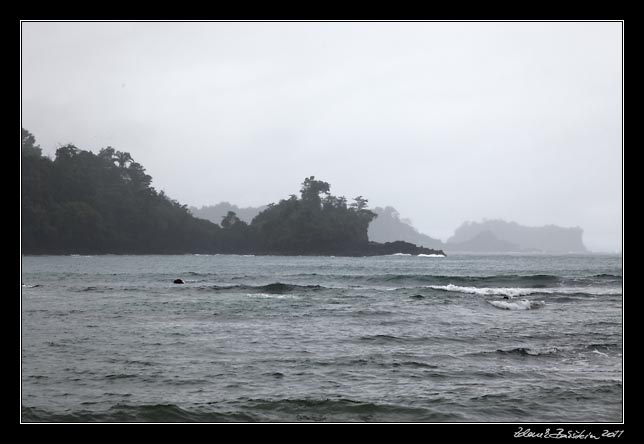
(463, 338)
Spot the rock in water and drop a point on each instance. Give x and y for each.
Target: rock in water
(179, 281)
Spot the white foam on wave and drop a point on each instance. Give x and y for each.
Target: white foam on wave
(515, 291)
(271, 296)
(511, 292)
(430, 255)
(518, 305)
(599, 353)
(400, 254)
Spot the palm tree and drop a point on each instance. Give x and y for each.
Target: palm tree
(122, 158)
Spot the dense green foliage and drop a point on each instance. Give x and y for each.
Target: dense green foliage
(313, 223)
(81, 202)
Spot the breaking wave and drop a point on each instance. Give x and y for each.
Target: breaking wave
(518, 305)
(514, 291)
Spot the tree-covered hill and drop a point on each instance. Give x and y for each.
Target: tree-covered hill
(86, 203)
(81, 202)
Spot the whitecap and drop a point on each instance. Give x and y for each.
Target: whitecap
(271, 296)
(430, 255)
(511, 292)
(516, 291)
(518, 305)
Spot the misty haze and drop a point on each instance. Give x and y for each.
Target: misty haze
(321, 222)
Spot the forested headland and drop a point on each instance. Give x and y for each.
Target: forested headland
(86, 203)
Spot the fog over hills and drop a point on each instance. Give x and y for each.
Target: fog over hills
(488, 236)
(549, 238)
(215, 213)
(388, 227)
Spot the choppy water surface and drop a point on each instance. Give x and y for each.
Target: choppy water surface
(396, 338)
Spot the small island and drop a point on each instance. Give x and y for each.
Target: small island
(86, 203)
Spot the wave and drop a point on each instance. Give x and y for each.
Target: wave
(390, 339)
(484, 291)
(382, 339)
(279, 287)
(526, 284)
(608, 276)
(509, 280)
(524, 351)
(600, 353)
(271, 296)
(582, 291)
(248, 410)
(99, 289)
(519, 351)
(518, 305)
(519, 291)
(121, 376)
(552, 351)
(417, 255)
(536, 280)
(510, 292)
(134, 413)
(342, 409)
(273, 288)
(604, 345)
(30, 285)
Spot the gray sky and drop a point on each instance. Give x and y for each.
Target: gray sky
(447, 122)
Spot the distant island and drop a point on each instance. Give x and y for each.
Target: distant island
(488, 236)
(501, 236)
(86, 203)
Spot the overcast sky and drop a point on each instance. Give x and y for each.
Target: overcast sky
(447, 122)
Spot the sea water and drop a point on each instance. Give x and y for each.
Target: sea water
(463, 338)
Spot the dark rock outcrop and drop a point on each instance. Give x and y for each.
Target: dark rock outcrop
(378, 249)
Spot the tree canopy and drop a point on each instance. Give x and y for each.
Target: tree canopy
(312, 222)
(81, 202)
